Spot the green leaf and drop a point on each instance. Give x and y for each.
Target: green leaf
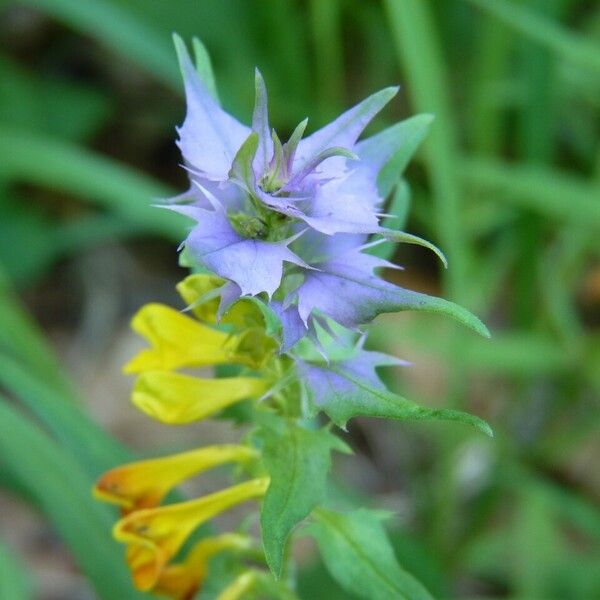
(14, 582)
(96, 451)
(204, 67)
(202, 63)
(358, 555)
(569, 46)
(400, 142)
(409, 300)
(62, 491)
(241, 169)
(407, 238)
(351, 388)
(20, 338)
(297, 460)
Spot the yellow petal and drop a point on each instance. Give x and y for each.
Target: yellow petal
(244, 314)
(154, 535)
(145, 483)
(238, 587)
(175, 399)
(178, 341)
(197, 287)
(182, 580)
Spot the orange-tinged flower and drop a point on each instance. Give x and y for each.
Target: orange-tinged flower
(182, 580)
(178, 341)
(155, 535)
(175, 399)
(145, 483)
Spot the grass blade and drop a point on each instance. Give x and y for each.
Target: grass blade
(549, 192)
(115, 27)
(14, 582)
(62, 491)
(65, 420)
(70, 168)
(414, 34)
(567, 45)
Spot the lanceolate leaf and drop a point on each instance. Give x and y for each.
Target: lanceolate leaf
(397, 216)
(407, 238)
(351, 295)
(297, 461)
(358, 555)
(62, 491)
(351, 388)
(241, 170)
(392, 149)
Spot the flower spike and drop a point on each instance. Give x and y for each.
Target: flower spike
(145, 483)
(154, 536)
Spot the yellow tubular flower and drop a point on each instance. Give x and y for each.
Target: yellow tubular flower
(145, 483)
(238, 587)
(154, 536)
(197, 287)
(175, 399)
(194, 288)
(178, 341)
(181, 581)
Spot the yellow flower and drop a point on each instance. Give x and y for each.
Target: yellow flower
(154, 535)
(175, 399)
(182, 580)
(198, 291)
(145, 483)
(178, 341)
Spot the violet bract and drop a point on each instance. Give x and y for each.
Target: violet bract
(290, 222)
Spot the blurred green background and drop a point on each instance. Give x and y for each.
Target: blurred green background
(508, 185)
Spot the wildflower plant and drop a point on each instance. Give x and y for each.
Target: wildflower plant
(285, 262)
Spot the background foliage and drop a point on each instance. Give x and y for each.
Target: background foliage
(508, 185)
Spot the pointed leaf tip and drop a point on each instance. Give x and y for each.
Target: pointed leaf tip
(407, 238)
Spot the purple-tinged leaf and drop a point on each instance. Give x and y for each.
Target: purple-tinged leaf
(352, 388)
(345, 289)
(344, 131)
(388, 152)
(209, 137)
(260, 125)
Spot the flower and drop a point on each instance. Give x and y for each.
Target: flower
(154, 535)
(175, 399)
(145, 483)
(182, 580)
(281, 220)
(180, 341)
